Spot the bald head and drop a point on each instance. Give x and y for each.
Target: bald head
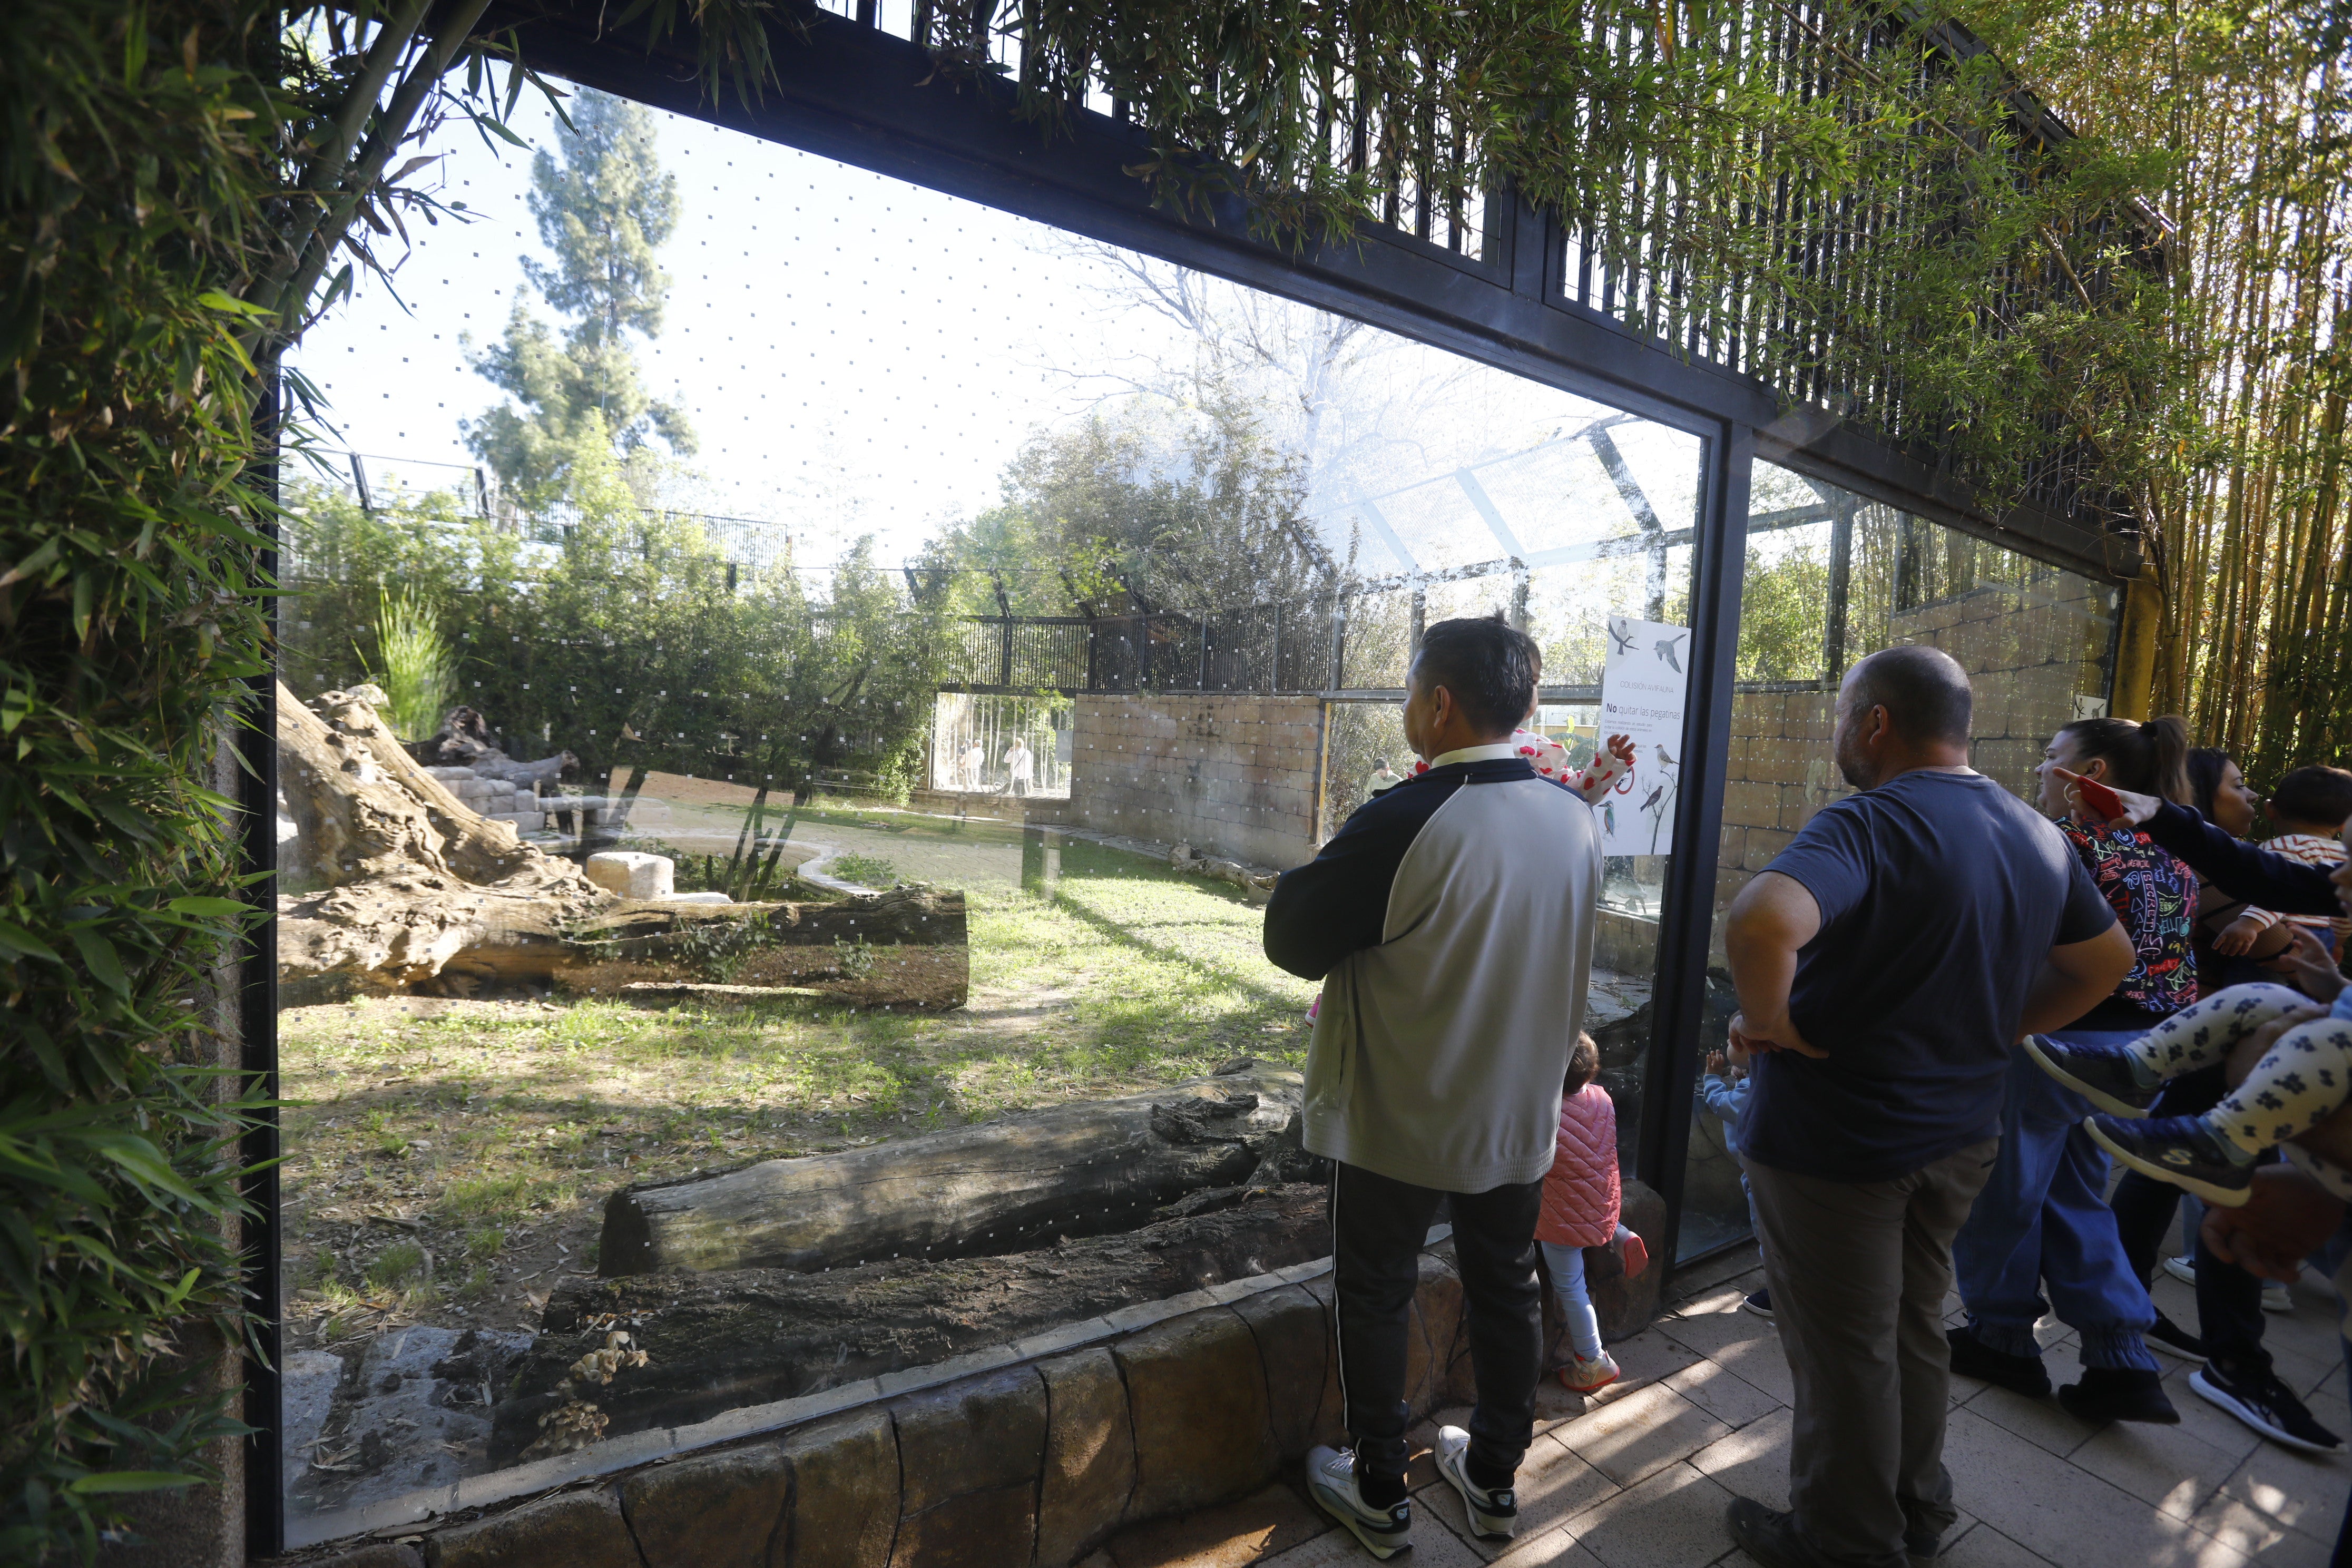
(1924, 689)
(1900, 708)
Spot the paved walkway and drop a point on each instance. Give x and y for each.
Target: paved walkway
(1640, 1478)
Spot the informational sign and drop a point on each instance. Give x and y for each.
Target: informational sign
(1643, 686)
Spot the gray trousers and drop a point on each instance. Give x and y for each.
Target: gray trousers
(1858, 1272)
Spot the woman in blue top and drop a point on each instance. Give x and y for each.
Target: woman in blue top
(2041, 1223)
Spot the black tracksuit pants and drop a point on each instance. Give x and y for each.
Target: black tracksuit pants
(1377, 1229)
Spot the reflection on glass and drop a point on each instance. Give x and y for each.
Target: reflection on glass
(1830, 579)
(844, 676)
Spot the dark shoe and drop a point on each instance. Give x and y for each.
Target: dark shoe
(1769, 1537)
(2264, 1404)
(2100, 1073)
(2175, 1341)
(1758, 1302)
(1971, 1357)
(2119, 1393)
(1921, 1546)
(2180, 1150)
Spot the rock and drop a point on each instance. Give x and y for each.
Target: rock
(1198, 1398)
(1330, 1412)
(978, 1530)
(415, 1411)
(1089, 1466)
(1438, 1295)
(720, 1510)
(579, 1530)
(307, 1391)
(748, 1336)
(978, 1435)
(705, 898)
(845, 1493)
(375, 1554)
(1291, 1332)
(632, 873)
(1625, 1306)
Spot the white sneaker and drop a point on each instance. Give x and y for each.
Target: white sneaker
(2183, 1269)
(1331, 1480)
(1494, 1513)
(2276, 1296)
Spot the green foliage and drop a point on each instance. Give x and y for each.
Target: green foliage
(173, 188)
(865, 871)
(419, 673)
(604, 213)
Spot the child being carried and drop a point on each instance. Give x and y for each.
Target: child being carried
(2302, 1080)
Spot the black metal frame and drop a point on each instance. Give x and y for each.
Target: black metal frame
(849, 92)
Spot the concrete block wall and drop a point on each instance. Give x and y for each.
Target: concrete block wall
(2029, 653)
(1232, 775)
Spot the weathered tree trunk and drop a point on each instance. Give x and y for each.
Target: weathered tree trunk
(414, 878)
(1072, 1169)
(716, 1342)
(421, 887)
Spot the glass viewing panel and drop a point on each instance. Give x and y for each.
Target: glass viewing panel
(711, 538)
(1831, 578)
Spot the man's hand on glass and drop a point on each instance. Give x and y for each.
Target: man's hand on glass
(1781, 1036)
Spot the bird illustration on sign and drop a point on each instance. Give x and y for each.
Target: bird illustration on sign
(1667, 650)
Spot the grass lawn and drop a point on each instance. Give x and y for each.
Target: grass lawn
(448, 1159)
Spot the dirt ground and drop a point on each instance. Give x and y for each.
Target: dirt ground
(447, 1160)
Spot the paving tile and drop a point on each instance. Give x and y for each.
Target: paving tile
(1553, 1484)
(1742, 1341)
(2170, 1466)
(1984, 1547)
(1628, 1438)
(1258, 1527)
(2261, 1537)
(1553, 1549)
(2207, 1422)
(1648, 1357)
(2065, 1514)
(1753, 1462)
(2302, 1491)
(2043, 1422)
(1674, 1519)
(1722, 1393)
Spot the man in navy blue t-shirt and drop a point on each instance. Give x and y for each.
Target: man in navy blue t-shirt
(1885, 960)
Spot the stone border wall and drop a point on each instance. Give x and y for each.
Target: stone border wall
(1236, 776)
(1029, 1463)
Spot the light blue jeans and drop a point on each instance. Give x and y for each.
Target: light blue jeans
(1566, 1267)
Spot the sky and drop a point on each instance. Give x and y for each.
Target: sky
(858, 356)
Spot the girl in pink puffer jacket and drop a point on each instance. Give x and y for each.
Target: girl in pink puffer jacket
(1580, 1204)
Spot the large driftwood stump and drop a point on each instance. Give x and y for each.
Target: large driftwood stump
(1069, 1171)
(414, 878)
(715, 1342)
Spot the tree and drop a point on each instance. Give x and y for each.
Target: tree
(602, 212)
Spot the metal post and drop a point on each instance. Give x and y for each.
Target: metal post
(1687, 913)
(1840, 585)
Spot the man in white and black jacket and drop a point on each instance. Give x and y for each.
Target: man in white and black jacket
(1451, 923)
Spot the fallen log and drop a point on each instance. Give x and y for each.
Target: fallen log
(715, 1342)
(1068, 1170)
(423, 893)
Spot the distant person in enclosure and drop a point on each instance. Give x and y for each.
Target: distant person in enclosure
(2041, 1238)
(1451, 921)
(974, 764)
(1384, 778)
(1582, 1199)
(1885, 961)
(1017, 766)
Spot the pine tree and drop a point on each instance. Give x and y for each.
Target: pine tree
(602, 212)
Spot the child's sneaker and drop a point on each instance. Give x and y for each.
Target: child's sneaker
(1331, 1479)
(1581, 1375)
(1758, 1302)
(1494, 1511)
(2100, 1073)
(2180, 1150)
